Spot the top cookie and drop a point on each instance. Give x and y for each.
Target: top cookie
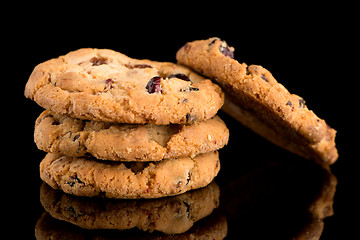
(104, 85)
(257, 100)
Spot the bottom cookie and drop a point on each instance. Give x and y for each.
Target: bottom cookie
(91, 177)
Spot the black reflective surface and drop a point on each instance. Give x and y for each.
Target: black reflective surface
(265, 192)
(283, 199)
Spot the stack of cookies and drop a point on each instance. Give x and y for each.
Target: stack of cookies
(119, 127)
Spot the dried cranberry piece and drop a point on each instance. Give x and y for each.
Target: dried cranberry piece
(55, 122)
(96, 61)
(289, 103)
(74, 180)
(187, 45)
(108, 84)
(109, 81)
(225, 50)
(76, 137)
(190, 118)
(264, 78)
(153, 86)
(301, 103)
(141, 66)
(180, 76)
(213, 41)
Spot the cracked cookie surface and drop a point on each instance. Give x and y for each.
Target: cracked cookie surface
(91, 177)
(104, 85)
(69, 136)
(257, 100)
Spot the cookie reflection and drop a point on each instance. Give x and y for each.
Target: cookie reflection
(171, 215)
(213, 227)
(283, 199)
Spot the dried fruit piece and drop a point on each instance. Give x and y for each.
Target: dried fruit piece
(96, 61)
(153, 86)
(187, 45)
(213, 41)
(55, 122)
(301, 103)
(289, 103)
(180, 76)
(109, 81)
(190, 118)
(108, 84)
(76, 137)
(225, 50)
(141, 66)
(74, 180)
(264, 78)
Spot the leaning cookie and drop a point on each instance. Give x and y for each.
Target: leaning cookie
(257, 100)
(91, 177)
(104, 85)
(62, 134)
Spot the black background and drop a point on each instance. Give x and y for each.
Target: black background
(309, 49)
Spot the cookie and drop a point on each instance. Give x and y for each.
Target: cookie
(62, 134)
(91, 177)
(257, 100)
(171, 215)
(104, 85)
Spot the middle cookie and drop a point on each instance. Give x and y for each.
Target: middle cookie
(58, 133)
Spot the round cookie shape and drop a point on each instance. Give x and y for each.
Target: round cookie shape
(62, 134)
(104, 85)
(91, 177)
(257, 100)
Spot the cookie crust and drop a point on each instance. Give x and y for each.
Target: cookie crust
(104, 85)
(91, 177)
(257, 100)
(62, 134)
